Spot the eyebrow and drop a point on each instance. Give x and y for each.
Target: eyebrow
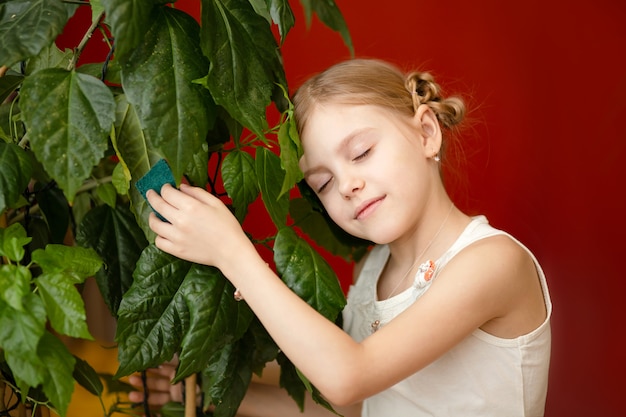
(344, 144)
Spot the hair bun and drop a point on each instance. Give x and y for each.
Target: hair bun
(424, 90)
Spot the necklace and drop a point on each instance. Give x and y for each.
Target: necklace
(376, 323)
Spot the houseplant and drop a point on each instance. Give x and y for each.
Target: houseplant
(76, 138)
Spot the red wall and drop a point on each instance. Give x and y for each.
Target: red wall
(546, 81)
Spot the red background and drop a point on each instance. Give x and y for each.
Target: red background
(545, 82)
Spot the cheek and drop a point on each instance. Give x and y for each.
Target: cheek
(334, 209)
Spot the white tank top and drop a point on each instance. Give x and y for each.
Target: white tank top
(482, 376)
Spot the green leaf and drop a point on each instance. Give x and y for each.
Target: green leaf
(120, 179)
(324, 231)
(329, 14)
(130, 20)
(42, 20)
(12, 241)
(80, 262)
(151, 316)
(68, 116)
(245, 62)
(107, 193)
(136, 155)
(290, 380)
(49, 57)
(58, 383)
(87, 377)
(197, 173)
(270, 176)
(56, 209)
(171, 304)
(226, 379)
(14, 285)
(240, 181)
(308, 274)
(215, 318)
(8, 84)
(28, 369)
(282, 15)
(64, 305)
(15, 172)
(20, 331)
(118, 240)
(96, 9)
(175, 113)
(173, 409)
(290, 153)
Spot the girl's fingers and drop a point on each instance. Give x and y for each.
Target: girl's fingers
(199, 194)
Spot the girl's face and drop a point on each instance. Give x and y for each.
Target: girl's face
(371, 169)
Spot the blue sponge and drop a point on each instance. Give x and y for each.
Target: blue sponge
(159, 175)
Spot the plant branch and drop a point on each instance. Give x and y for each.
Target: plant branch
(190, 396)
(144, 382)
(3, 387)
(83, 42)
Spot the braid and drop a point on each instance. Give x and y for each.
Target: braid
(424, 90)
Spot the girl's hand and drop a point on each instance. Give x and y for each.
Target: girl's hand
(201, 228)
(160, 390)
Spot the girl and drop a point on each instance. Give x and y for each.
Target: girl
(448, 316)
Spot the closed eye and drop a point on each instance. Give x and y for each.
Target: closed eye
(363, 155)
(320, 189)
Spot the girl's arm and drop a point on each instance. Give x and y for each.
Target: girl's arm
(485, 282)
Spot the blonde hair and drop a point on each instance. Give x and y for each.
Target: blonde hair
(374, 82)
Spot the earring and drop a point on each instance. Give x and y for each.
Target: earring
(437, 158)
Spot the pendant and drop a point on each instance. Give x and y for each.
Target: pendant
(375, 324)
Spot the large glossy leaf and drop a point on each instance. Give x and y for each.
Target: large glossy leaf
(49, 57)
(282, 15)
(175, 113)
(64, 305)
(20, 331)
(308, 274)
(14, 285)
(240, 181)
(58, 384)
(215, 318)
(68, 116)
(290, 381)
(129, 21)
(331, 16)
(136, 155)
(174, 302)
(245, 62)
(116, 237)
(15, 172)
(150, 318)
(270, 176)
(41, 20)
(226, 380)
(80, 262)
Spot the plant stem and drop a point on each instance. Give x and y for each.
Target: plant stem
(83, 42)
(190, 396)
(3, 387)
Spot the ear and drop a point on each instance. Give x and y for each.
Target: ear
(427, 124)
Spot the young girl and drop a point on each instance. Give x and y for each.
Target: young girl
(448, 315)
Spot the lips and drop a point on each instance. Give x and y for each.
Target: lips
(367, 208)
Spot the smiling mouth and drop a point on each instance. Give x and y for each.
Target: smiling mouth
(367, 208)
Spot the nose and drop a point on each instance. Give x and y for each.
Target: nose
(350, 186)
